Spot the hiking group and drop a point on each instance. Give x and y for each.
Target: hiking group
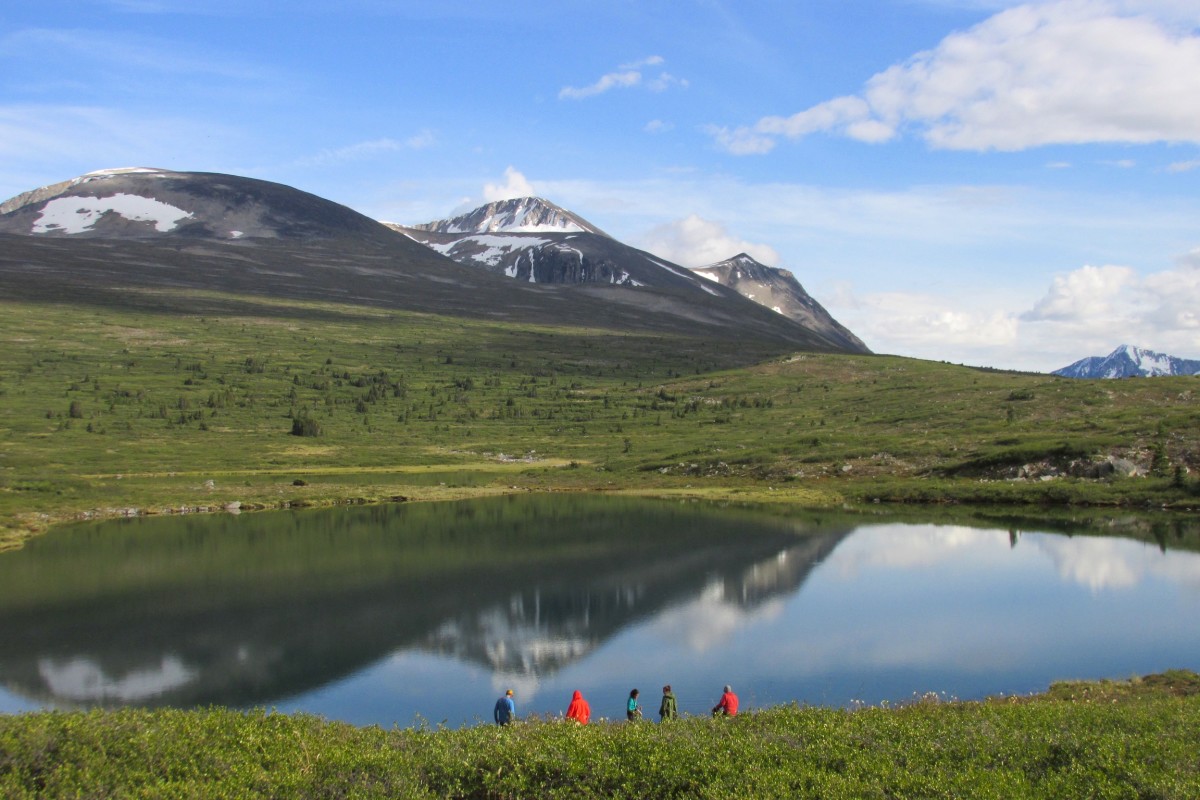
(580, 711)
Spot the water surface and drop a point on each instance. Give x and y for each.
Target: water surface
(395, 614)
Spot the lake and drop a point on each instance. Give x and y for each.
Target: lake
(404, 614)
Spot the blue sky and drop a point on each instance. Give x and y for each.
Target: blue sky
(975, 181)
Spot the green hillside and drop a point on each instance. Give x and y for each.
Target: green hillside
(264, 403)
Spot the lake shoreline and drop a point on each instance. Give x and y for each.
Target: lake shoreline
(1150, 496)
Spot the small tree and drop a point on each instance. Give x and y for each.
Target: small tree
(305, 426)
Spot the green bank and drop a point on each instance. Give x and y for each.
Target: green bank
(1134, 739)
(171, 403)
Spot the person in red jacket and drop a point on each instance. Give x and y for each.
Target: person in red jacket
(728, 705)
(579, 710)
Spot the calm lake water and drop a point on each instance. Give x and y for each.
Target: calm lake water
(397, 614)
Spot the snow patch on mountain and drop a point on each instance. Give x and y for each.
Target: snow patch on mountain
(685, 273)
(519, 215)
(493, 247)
(79, 214)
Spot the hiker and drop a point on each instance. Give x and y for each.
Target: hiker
(506, 710)
(632, 710)
(667, 709)
(579, 710)
(727, 707)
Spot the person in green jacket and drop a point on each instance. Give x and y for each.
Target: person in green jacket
(667, 709)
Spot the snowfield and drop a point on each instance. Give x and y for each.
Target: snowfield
(79, 214)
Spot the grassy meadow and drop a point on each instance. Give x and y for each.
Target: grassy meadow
(107, 411)
(1130, 739)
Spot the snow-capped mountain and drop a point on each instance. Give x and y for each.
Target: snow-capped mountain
(142, 202)
(519, 215)
(535, 241)
(1128, 361)
(778, 290)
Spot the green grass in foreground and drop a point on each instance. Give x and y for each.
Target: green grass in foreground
(1136, 739)
(108, 410)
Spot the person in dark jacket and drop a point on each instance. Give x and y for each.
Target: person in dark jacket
(505, 710)
(728, 705)
(667, 708)
(579, 710)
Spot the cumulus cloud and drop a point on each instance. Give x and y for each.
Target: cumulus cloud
(1087, 293)
(1065, 72)
(696, 242)
(515, 185)
(1097, 308)
(624, 77)
(1161, 306)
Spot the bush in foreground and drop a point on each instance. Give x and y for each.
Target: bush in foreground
(1131, 740)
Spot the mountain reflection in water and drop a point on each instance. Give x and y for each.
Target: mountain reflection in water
(250, 609)
(378, 614)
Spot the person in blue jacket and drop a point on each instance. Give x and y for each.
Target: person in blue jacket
(505, 710)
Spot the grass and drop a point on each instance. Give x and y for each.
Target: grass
(106, 411)
(1134, 739)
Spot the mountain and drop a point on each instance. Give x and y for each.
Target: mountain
(778, 290)
(146, 203)
(120, 237)
(521, 215)
(1128, 361)
(535, 241)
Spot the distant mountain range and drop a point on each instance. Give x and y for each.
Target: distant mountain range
(1128, 361)
(106, 235)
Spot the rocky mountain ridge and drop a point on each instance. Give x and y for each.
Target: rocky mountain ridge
(534, 241)
(778, 290)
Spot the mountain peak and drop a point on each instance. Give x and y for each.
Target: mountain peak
(1129, 361)
(778, 290)
(516, 215)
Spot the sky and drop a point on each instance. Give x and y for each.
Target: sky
(984, 182)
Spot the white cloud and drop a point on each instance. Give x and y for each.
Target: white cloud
(369, 149)
(664, 81)
(515, 185)
(1161, 305)
(1065, 72)
(658, 126)
(1097, 308)
(1085, 294)
(741, 141)
(1184, 166)
(696, 242)
(624, 77)
(1190, 260)
(924, 323)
